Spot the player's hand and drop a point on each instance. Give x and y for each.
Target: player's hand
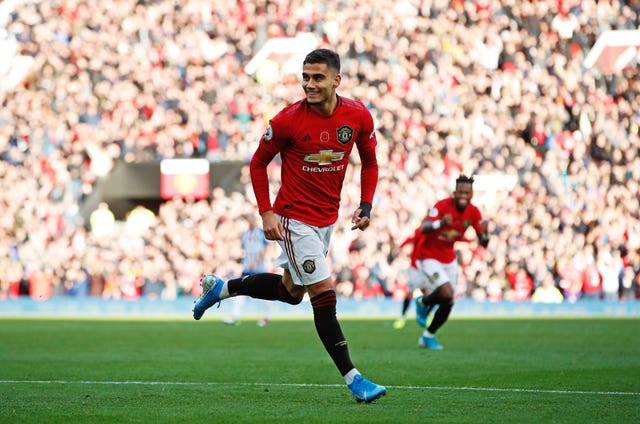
(273, 229)
(484, 233)
(446, 220)
(359, 223)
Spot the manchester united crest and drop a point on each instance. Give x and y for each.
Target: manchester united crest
(309, 266)
(345, 134)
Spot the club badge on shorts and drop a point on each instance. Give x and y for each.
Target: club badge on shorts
(309, 266)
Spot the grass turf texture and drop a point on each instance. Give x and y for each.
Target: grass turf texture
(491, 371)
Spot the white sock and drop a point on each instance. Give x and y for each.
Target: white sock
(348, 377)
(224, 293)
(426, 333)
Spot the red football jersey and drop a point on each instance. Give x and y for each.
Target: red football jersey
(315, 150)
(439, 244)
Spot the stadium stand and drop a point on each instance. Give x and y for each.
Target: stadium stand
(495, 88)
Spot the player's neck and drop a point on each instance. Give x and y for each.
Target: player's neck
(326, 108)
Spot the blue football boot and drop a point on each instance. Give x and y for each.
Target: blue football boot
(364, 390)
(421, 312)
(211, 288)
(429, 343)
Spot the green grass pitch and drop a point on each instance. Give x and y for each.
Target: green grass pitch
(491, 371)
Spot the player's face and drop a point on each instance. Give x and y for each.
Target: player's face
(319, 83)
(463, 195)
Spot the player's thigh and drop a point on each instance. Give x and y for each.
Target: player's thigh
(293, 289)
(436, 273)
(452, 269)
(416, 279)
(304, 251)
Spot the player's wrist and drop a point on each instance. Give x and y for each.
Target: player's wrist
(436, 224)
(365, 209)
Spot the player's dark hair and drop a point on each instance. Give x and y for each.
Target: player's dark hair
(326, 56)
(463, 179)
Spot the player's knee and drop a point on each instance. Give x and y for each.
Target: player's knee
(289, 292)
(446, 294)
(293, 300)
(294, 295)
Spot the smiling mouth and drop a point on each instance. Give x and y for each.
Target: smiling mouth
(313, 97)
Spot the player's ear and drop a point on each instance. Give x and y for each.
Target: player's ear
(336, 80)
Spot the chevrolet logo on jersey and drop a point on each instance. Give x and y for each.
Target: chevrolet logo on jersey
(324, 157)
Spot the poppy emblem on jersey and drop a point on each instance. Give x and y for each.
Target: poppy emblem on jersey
(345, 134)
(324, 157)
(309, 266)
(268, 134)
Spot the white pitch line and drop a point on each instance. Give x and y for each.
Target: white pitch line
(186, 383)
(517, 390)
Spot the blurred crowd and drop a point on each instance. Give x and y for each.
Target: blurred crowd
(493, 88)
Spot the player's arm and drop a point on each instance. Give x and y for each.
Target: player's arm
(260, 178)
(262, 157)
(481, 227)
(483, 232)
(368, 182)
(433, 221)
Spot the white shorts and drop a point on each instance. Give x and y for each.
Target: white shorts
(304, 251)
(416, 279)
(436, 273)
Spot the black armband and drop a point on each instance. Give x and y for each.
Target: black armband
(365, 210)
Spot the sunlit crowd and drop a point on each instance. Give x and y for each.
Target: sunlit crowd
(495, 89)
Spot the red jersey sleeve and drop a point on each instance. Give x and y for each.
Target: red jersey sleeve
(260, 178)
(476, 219)
(367, 150)
(268, 148)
